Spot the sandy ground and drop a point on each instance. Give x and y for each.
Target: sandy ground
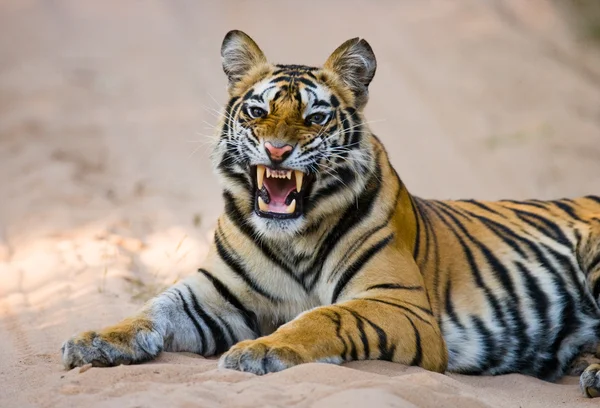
(107, 194)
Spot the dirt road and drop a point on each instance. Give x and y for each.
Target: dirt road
(108, 195)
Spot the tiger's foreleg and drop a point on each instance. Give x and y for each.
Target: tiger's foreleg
(374, 319)
(199, 314)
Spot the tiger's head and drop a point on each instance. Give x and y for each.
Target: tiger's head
(293, 146)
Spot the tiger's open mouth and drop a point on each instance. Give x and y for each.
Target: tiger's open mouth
(280, 193)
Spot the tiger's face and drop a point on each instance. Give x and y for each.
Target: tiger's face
(293, 146)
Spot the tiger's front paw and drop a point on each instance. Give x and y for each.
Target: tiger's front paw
(261, 356)
(121, 344)
(590, 381)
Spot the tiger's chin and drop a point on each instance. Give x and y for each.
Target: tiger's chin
(277, 229)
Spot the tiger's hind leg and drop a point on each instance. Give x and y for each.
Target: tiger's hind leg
(590, 381)
(588, 253)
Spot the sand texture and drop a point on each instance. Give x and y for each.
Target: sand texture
(107, 194)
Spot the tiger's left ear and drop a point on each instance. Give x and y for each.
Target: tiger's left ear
(240, 54)
(355, 63)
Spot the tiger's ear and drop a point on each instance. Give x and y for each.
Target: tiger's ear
(355, 63)
(239, 54)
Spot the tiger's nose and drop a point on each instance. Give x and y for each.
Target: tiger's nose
(278, 154)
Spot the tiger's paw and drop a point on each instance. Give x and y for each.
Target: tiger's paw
(261, 357)
(590, 381)
(111, 347)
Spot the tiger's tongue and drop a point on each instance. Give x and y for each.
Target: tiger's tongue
(279, 190)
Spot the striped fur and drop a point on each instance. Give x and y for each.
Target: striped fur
(368, 271)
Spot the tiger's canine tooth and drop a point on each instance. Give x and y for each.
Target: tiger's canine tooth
(262, 205)
(299, 178)
(292, 207)
(260, 175)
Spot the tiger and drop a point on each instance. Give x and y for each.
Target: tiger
(323, 256)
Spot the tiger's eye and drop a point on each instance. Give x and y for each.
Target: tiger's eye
(258, 112)
(318, 118)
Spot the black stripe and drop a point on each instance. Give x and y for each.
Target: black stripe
(579, 251)
(357, 128)
(541, 307)
(236, 267)
(449, 305)
(296, 67)
(321, 102)
(248, 94)
(534, 203)
(257, 98)
(568, 208)
(307, 82)
(386, 352)
(394, 286)
(594, 263)
(334, 101)
(345, 126)
(596, 289)
(232, 336)
(569, 325)
(227, 113)
(218, 335)
(418, 358)
(483, 207)
(422, 207)
(490, 346)
(338, 327)
(363, 337)
(298, 97)
(360, 325)
(280, 79)
(357, 265)
(417, 244)
(353, 350)
(501, 231)
(199, 330)
(454, 210)
(596, 199)
(404, 308)
(544, 225)
(249, 317)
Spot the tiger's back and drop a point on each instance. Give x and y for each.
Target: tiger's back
(515, 284)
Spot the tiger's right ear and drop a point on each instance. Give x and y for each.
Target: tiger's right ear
(240, 54)
(355, 63)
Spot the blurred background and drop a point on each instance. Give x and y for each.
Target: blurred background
(107, 108)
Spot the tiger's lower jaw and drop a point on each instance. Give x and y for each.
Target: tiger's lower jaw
(291, 209)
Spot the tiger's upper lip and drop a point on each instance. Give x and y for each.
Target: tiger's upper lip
(261, 170)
